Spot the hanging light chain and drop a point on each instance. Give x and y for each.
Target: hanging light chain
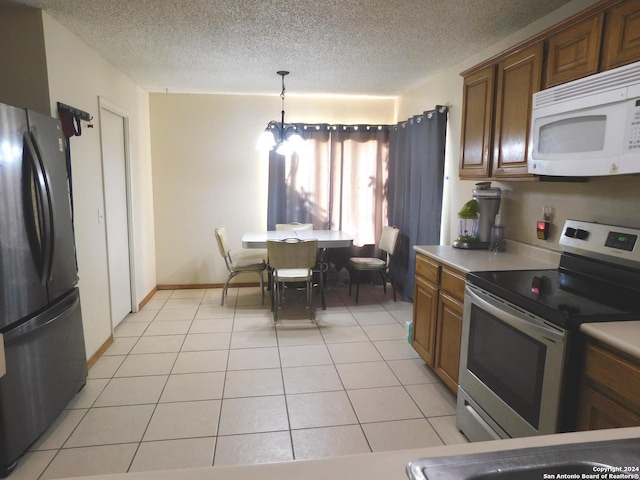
(282, 73)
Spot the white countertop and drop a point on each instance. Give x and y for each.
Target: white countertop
(623, 336)
(517, 257)
(371, 466)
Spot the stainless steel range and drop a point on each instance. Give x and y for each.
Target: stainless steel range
(521, 345)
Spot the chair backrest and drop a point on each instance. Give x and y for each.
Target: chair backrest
(292, 253)
(388, 239)
(223, 241)
(294, 226)
(223, 246)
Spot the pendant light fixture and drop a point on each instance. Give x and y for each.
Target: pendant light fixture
(284, 138)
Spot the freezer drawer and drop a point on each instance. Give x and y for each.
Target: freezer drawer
(46, 366)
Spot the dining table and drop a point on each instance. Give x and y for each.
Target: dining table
(326, 239)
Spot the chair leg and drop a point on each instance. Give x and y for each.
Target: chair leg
(393, 287)
(226, 286)
(309, 298)
(276, 300)
(384, 281)
(357, 284)
(261, 287)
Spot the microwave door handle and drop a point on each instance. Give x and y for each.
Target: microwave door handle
(532, 326)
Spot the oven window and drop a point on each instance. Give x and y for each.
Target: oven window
(507, 361)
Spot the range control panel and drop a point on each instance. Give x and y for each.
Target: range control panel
(609, 242)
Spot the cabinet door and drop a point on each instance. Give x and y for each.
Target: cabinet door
(519, 77)
(622, 35)
(597, 412)
(574, 52)
(448, 338)
(424, 319)
(477, 124)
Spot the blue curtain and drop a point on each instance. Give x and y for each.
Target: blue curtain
(414, 189)
(337, 182)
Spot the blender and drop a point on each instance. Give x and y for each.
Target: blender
(488, 199)
(482, 213)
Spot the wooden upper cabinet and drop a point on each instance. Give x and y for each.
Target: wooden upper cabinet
(496, 101)
(574, 52)
(477, 123)
(519, 77)
(621, 35)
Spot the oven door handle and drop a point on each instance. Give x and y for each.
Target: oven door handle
(533, 326)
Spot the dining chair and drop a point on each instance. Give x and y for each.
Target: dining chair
(319, 268)
(387, 245)
(242, 261)
(291, 260)
(294, 226)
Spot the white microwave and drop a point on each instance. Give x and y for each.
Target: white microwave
(588, 127)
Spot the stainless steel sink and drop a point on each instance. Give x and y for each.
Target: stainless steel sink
(538, 472)
(577, 460)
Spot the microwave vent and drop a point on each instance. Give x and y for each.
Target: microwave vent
(610, 80)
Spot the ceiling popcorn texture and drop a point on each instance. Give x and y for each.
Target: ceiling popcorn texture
(350, 47)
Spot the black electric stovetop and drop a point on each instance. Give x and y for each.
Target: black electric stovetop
(575, 293)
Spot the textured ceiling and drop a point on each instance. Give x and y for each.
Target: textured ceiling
(364, 47)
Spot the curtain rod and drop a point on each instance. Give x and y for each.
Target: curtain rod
(370, 127)
(327, 126)
(426, 114)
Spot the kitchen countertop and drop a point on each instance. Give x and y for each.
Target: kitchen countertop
(517, 257)
(370, 466)
(623, 336)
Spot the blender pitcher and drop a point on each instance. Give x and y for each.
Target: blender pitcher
(468, 218)
(488, 199)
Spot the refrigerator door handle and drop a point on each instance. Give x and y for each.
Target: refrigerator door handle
(43, 211)
(40, 321)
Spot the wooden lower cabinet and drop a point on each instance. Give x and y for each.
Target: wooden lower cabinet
(425, 304)
(437, 317)
(598, 412)
(448, 335)
(610, 389)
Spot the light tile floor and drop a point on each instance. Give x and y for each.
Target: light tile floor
(188, 382)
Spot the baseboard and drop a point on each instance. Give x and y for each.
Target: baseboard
(206, 285)
(146, 299)
(94, 358)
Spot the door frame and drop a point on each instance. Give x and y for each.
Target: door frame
(104, 104)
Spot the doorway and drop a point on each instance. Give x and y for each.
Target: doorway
(114, 135)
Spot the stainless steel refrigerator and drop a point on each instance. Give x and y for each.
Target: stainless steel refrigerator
(40, 318)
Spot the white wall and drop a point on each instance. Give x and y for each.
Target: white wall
(207, 172)
(607, 199)
(77, 77)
